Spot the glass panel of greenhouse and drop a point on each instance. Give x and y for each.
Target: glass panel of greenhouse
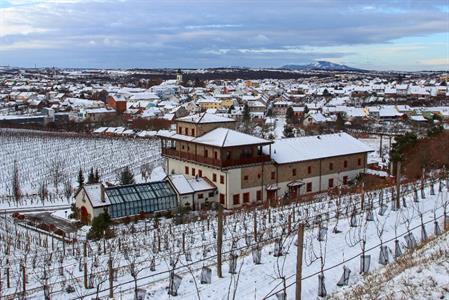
(149, 197)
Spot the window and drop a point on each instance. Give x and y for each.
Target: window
(331, 166)
(200, 173)
(186, 131)
(216, 155)
(293, 172)
(221, 179)
(345, 164)
(206, 153)
(345, 179)
(182, 147)
(258, 175)
(180, 130)
(214, 177)
(200, 196)
(273, 175)
(236, 199)
(211, 194)
(193, 171)
(309, 169)
(245, 197)
(331, 182)
(222, 199)
(309, 187)
(193, 132)
(228, 155)
(359, 162)
(187, 170)
(259, 195)
(245, 177)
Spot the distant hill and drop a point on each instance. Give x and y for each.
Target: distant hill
(322, 65)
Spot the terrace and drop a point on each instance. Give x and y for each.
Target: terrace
(243, 160)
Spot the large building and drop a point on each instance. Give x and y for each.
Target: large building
(247, 169)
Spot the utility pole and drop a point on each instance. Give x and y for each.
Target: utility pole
(299, 248)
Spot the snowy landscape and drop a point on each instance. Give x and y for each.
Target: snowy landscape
(338, 233)
(47, 164)
(224, 150)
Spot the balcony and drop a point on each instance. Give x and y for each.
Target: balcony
(215, 162)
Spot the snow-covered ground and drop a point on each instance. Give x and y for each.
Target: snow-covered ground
(137, 245)
(54, 160)
(423, 274)
(279, 127)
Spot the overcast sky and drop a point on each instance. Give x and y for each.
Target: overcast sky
(376, 34)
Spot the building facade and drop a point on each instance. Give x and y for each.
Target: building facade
(246, 169)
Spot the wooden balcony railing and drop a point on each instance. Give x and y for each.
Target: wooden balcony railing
(215, 162)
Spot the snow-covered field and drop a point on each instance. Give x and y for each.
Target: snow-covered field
(423, 274)
(53, 160)
(150, 253)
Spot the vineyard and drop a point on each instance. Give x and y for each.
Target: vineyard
(344, 237)
(41, 168)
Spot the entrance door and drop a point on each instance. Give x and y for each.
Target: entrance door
(293, 191)
(271, 196)
(84, 215)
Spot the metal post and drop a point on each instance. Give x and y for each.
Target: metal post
(219, 241)
(299, 250)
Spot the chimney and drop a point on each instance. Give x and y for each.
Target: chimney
(102, 193)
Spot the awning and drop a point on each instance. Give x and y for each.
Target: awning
(272, 187)
(295, 183)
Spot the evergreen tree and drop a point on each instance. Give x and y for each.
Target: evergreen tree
(246, 116)
(289, 115)
(269, 112)
(80, 179)
(306, 110)
(100, 225)
(288, 131)
(340, 122)
(91, 177)
(126, 176)
(97, 176)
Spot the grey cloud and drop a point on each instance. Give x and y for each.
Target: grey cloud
(187, 32)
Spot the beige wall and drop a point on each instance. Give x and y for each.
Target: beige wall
(201, 129)
(259, 176)
(82, 200)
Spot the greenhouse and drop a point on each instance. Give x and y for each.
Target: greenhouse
(128, 200)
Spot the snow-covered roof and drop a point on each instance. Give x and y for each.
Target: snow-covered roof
(93, 192)
(218, 137)
(389, 111)
(314, 147)
(204, 118)
(225, 137)
(100, 130)
(189, 186)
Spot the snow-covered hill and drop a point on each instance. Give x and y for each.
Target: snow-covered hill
(322, 66)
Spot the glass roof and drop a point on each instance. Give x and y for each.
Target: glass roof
(139, 192)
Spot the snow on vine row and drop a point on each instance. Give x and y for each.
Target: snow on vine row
(53, 160)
